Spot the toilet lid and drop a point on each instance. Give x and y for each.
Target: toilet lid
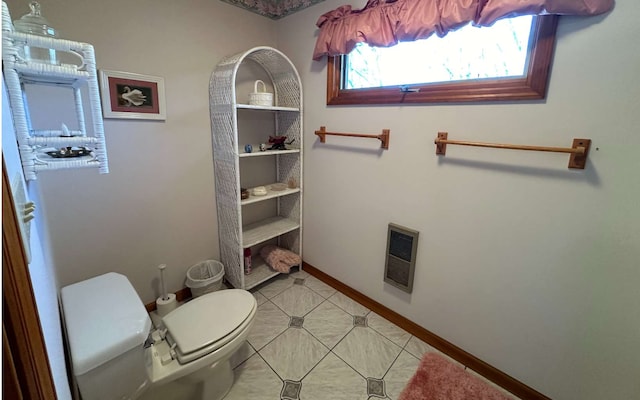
(209, 318)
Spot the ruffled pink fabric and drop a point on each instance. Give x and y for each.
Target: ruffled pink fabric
(385, 23)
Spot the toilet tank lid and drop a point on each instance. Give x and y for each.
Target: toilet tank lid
(104, 318)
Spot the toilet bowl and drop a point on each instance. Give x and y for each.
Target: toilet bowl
(117, 354)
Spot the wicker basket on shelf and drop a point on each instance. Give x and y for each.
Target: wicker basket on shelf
(262, 98)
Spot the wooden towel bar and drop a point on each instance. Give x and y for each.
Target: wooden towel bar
(579, 149)
(383, 137)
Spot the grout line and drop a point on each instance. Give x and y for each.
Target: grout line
(270, 367)
(392, 364)
(384, 336)
(248, 358)
(278, 335)
(349, 365)
(314, 367)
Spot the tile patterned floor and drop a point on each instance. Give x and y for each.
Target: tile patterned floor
(310, 342)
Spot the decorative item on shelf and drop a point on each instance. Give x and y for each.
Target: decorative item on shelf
(262, 98)
(248, 148)
(263, 147)
(279, 142)
(292, 183)
(34, 23)
(68, 152)
(247, 261)
(65, 131)
(259, 191)
(244, 193)
(278, 186)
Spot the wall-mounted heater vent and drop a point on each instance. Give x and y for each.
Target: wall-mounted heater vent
(400, 264)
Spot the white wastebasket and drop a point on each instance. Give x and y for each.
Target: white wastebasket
(205, 277)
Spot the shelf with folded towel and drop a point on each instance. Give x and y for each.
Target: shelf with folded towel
(260, 272)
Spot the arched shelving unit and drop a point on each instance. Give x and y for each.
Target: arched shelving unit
(281, 224)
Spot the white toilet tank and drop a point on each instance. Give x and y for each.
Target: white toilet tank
(106, 325)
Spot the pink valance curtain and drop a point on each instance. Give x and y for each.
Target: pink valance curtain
(385, 23)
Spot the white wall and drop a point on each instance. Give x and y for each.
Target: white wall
(525, 264)
(157, 203)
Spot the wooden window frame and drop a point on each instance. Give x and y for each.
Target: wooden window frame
(532, 86)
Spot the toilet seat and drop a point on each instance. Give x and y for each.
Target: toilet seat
(208, 322)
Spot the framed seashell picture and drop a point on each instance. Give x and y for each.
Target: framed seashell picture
(132, 96)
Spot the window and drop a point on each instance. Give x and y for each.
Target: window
(469, 73)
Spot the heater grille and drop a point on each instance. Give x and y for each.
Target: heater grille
(402, 244)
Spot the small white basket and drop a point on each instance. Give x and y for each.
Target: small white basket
(205, 277)
(263, 98)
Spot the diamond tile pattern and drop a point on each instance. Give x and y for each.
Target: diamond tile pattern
(328, 323)
(359, 320)
(297, 300)
(293, 354)
(368, 352)
(296, 322)
(310, 342)
(269, 323)
(375, 387)
(290, 390)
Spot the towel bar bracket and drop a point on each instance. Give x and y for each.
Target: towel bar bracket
(441, 147)
(579, 160)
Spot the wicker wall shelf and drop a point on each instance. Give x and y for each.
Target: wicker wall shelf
(285, 227)
(19, 71)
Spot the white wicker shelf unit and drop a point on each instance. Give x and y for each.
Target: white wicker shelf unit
(285, 227)
(34, 145)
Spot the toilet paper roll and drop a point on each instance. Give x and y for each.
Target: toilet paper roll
(164, 307)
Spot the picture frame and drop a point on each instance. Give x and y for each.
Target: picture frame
(127, 95)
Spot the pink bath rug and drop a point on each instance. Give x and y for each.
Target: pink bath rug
(440, 379)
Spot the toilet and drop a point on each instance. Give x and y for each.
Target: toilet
(117, 354)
